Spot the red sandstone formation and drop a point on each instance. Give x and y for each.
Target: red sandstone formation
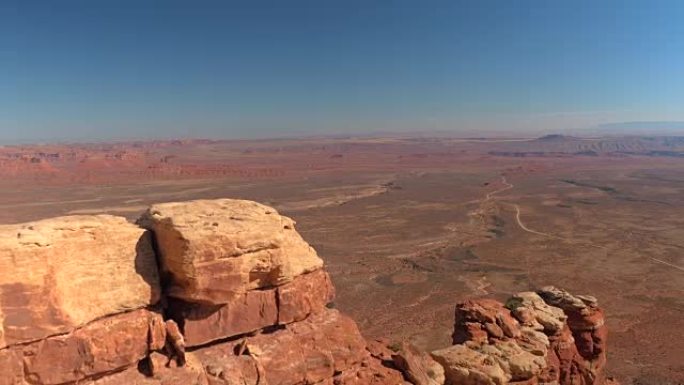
(547, 337)
(233, 295)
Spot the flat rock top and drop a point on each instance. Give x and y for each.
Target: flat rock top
(47, 231)
(60, 273)
(219, 216)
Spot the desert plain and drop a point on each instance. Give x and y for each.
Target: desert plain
(409, 226)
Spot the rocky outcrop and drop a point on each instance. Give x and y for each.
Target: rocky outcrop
(549, 336)
(204, 292)
(226, 292)
(215, 250)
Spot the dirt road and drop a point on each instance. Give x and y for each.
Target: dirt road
(531, 231)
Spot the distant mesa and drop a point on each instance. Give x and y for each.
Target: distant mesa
(554, 137)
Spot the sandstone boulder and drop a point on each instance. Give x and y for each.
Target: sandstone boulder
(214, 250)
(61, 273)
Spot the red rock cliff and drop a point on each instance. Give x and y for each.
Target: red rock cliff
(226, 292)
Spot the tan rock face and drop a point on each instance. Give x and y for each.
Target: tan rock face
(465, 366)
(61, 273)
(214, 250)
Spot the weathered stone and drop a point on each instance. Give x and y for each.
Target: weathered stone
(11, 367)
(476, 320)
(469, 332)
(306, 294)
(494, 330)
(304, 352)
(175, 342)
(530, 308)
(514, 360)
(381, 348)
(370, 371)
(464, 366)
(157, 330)
(190, 374)
(581, 349)
(214, 250)
(103, 346)
(253, 310)
(309, 351)
(509, 325)
(244, 313)
(564, 300)
(533, 341)
(224, 367)
(61, 273)
(418, 367)
(157, 362)
(582, 311)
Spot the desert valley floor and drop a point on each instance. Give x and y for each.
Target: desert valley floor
(409, 226)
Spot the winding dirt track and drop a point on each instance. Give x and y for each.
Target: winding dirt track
(523, 227)
(518, 220)
(667, 264)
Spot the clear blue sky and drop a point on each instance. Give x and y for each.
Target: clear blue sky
(101, 69)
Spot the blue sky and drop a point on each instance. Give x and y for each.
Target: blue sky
(91, 70)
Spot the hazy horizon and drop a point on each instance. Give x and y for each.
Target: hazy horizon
(90, 71)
